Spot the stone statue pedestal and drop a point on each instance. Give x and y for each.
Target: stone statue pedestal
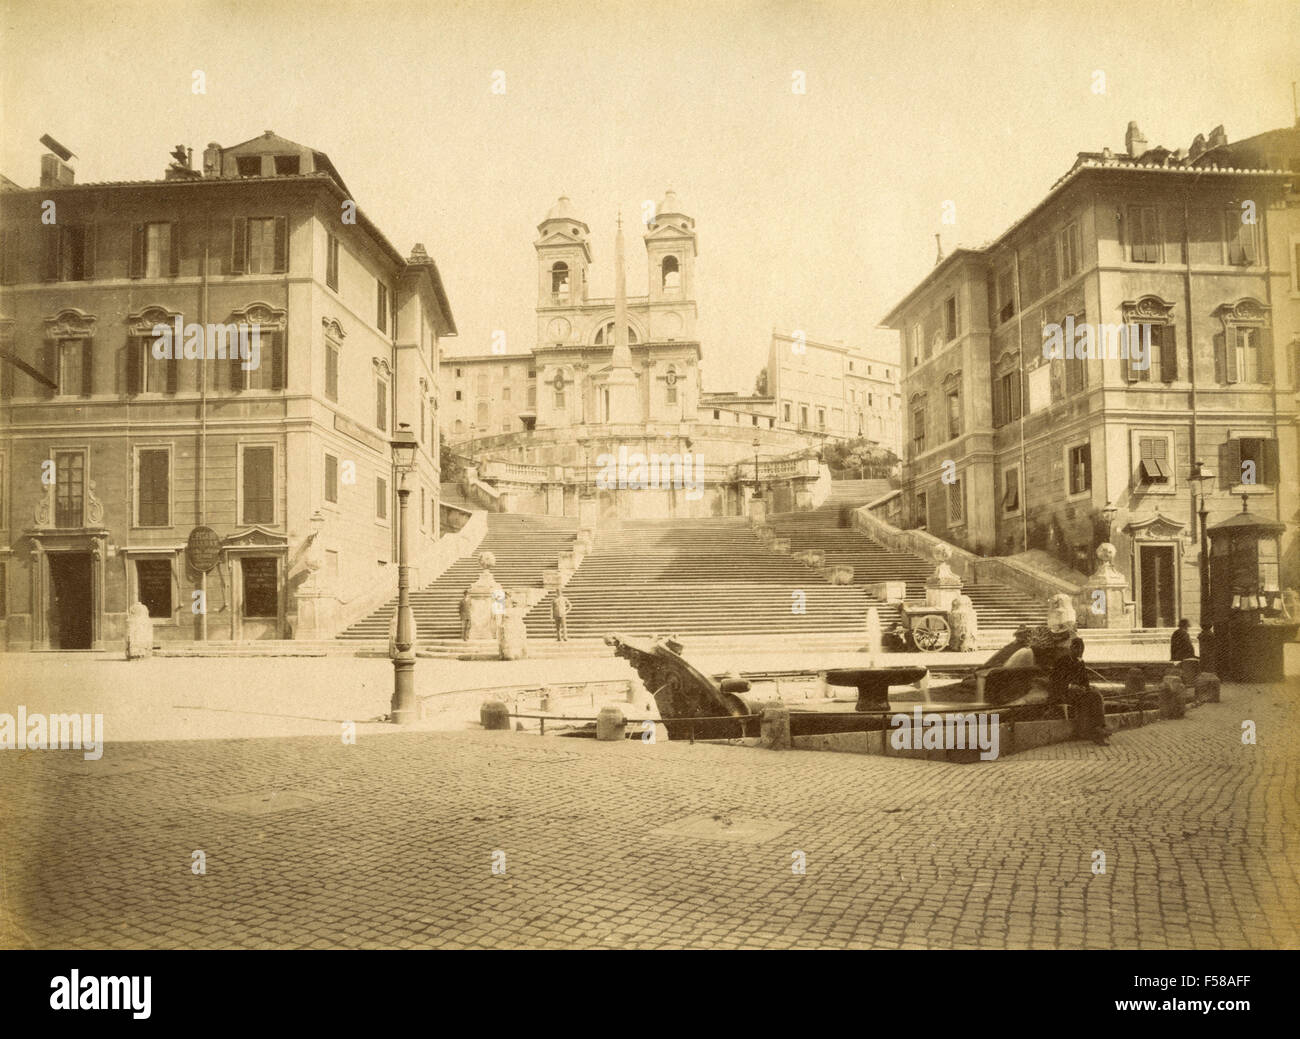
(487, 601)
(757, 512)
(139, 632)
(943, 586)
(513, 641)
(588, 513)
(1106, 593)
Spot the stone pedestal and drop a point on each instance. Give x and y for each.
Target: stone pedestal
(775, 727)
(757, 512)
(1105, 594)
(611, 724)
(513, 641)
(139, 632)
(487, 601)
(963, 624)
(803, 500)
(943, 586)
(588, 514)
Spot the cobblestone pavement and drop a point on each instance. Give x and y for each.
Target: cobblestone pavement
(391, 842)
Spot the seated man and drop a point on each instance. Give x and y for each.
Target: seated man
(1070, 685)
(1180, 643)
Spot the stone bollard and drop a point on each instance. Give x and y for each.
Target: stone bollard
(1207, 687)
(1190, 668)
(611, 724)
(1171, 696)
(494, 715)
(775, 727)
(139, 632)
(1135, 682)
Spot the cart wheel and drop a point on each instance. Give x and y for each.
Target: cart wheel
(930, 633)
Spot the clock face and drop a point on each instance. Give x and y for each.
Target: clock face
(558, 330)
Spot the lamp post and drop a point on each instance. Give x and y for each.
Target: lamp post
(403, 707)
(757, 491)
(1200, 473)
(1108, 514)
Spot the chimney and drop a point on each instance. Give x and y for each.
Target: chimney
(939, 247)
(1134, 143)
(212, 160)
(55, 173)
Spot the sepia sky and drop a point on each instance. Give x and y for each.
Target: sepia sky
(814, 211)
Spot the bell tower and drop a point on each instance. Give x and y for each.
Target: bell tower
(670, 252)
(563, 256)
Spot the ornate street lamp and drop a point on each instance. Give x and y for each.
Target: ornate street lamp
(403, 707)
(758, 493)
(1200, 473)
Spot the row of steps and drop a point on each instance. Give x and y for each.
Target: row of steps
(524, 547)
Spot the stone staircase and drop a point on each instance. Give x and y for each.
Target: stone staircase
(703, 577)
(524, 546)
(997, 606)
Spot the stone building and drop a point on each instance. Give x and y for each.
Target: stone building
(110, 454)
(832, 391)
(1014, 441)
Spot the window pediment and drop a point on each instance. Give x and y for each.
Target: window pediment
(1008, 362)
(1246, 310)
(333, 329)
(1147, 308)
(142, 323)
(70, 323)
(265, 316)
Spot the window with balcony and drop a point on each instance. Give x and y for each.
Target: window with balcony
(69, 488)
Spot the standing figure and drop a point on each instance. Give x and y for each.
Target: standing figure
(560, 614)
(464, 616)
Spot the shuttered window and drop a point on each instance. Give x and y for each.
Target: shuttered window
(1143, 234)
(1239, 238)
(152, 494)
(1153, 465)
(331, 479)
(260, 245)
(1080, 461)
(381, 498)
(259, 485)
(332, 262)
(381, 405)
(331, 370)
(381, 306)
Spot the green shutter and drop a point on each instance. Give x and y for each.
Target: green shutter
(1271, 474)
(1266, 356)
(174, 248)
(137, 251)
(88, 252)
(281, 244)
(239, 245)
(1229, 464)
(134, 360)
(53, 235)
(278, 361)
(87, 367)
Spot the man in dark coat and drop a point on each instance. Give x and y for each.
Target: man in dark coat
(1180, 643)
(1070, 685)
